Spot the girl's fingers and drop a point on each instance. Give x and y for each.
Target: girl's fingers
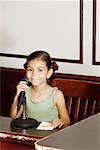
(58, 123)
(21, 87)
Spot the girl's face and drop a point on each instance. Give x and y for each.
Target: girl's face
(37, 72)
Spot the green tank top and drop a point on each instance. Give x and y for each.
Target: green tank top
(45, 110)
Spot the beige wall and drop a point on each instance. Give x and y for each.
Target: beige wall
(53, 26)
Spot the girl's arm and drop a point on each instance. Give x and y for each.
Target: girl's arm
(13, 113)
(63, 113)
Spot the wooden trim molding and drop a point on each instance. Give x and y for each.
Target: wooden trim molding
(21, 72)
(94, 61)
(77, 77)
(80, 59)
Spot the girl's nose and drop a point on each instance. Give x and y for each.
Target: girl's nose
(34, 73)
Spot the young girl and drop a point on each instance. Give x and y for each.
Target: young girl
(43, 102)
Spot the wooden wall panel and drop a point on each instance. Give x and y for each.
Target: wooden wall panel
(10, 77)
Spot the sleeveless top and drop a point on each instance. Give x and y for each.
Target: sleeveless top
(45, 110)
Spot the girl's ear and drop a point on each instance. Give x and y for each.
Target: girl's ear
(50, 72)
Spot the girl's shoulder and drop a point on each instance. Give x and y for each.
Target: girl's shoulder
(59, 98)
(58, 92)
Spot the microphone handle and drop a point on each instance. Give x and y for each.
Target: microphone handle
(24, 107)
(21, 99)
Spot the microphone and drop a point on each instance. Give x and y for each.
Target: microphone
(27, 81)
(24, 123)
(21, 98)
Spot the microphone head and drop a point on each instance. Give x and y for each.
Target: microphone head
(27, 81)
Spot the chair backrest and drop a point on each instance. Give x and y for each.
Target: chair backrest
(82, 97)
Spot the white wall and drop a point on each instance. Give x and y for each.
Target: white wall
(26, 26)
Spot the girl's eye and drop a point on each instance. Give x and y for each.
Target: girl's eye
(40, 70)
(29, 69)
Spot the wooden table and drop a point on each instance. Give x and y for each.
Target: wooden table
(84, 135)
(20, 136)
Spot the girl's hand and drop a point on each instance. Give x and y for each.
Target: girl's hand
(21, 87)
(58, 123)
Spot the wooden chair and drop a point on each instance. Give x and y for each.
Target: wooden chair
(82, 97)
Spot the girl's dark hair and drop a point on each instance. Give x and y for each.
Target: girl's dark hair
(44, 56)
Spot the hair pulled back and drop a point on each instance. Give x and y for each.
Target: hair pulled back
(44, 56)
